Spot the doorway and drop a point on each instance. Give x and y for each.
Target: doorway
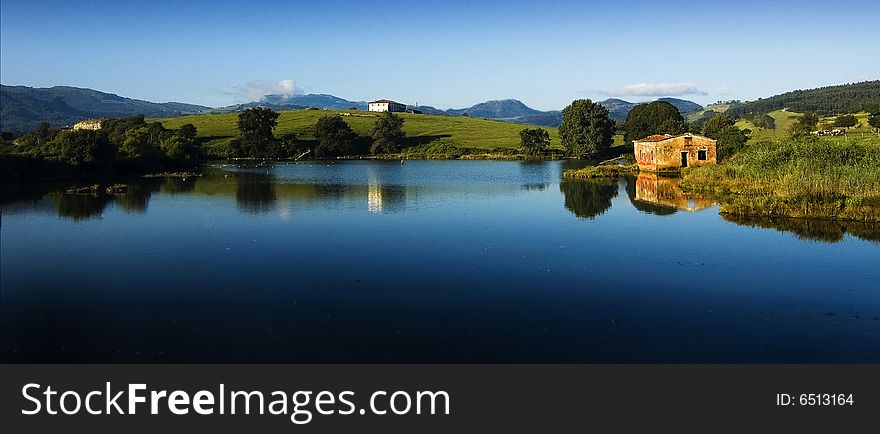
(684, 159)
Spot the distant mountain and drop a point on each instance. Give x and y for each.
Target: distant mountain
(428, 110)
(845, 98)
(684, 106)
(235, 108)
(22, 107)
(618, 108)
(498, 109)
(316, 100)
(551, 118)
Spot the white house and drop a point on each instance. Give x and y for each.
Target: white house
(386, 105)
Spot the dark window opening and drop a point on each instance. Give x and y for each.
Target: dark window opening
(701, 154)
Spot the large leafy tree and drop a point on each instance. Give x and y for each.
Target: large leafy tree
(658, 117)
(722, 128)
(586, 130)
(85, 148)
(387, 134)
(874, 120)
(534, 141)
(141, 144)
(256, 127)
(335, 137)
(716, 123)
(183, 145)
(804, 124)
(846, 121)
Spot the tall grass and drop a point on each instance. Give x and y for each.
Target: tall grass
(805, 177)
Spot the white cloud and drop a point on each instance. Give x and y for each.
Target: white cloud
(722, 90)
(257, 90)
(659, 89)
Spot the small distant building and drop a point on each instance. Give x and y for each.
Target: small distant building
(90, 124)
(386, 105)
(663, 152)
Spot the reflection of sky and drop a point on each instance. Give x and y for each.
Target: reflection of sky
(481, 261)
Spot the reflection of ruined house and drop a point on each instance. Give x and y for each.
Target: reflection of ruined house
(90, 124)
(665, 191)
(664, 152)
(386, 105)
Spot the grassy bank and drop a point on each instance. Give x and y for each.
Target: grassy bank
(806, 178)
(428, 136)
(601, 171)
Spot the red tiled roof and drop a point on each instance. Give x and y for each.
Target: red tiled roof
(386, 100)
(656, 138)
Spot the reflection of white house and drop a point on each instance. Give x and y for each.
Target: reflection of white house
(374, 198)
(386, 105)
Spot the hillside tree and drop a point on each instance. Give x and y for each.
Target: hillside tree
(846, 121)
(387, 134)
(658, 117)
(723, 129)
(534, 141)
(183, 146)
(256, 127)
(874, 120)
(586, 130)
(335, 137)
(804, 124)
(85, 148)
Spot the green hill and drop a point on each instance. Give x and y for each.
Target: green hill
(699, 114)
(846, 98)
(22, 107)
(425, 133)
(784, 119)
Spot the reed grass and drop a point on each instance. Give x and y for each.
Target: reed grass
(805, 177)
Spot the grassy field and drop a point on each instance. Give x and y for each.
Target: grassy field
(428, 134)
(784, 119)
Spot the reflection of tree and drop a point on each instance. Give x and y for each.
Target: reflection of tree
(176, 185)
(535, 186)
(12, 192)
(80, 206)
(588, 198)
(646, 207)
(826, 231)
(535, 174)
(137, 195)
(255, 192)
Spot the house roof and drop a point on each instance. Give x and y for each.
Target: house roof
(662, 137)
(656, 138)
(386, 100)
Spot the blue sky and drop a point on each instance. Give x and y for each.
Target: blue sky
(439, 53)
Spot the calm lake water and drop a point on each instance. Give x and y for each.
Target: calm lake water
(429, 261)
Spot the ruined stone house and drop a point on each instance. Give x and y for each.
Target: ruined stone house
(663, 152)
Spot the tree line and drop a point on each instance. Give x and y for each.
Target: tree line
(587, 131)
(830, 100)
(121, 145)
(333, 135)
